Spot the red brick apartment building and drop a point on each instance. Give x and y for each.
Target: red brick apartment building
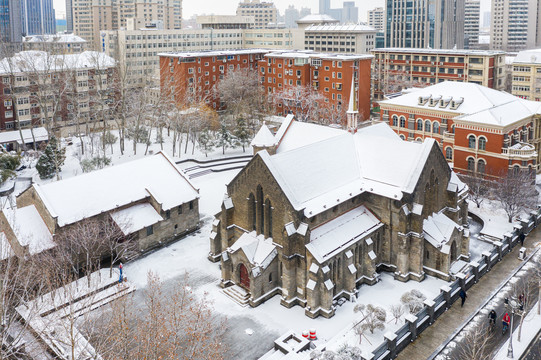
(191, 77)
(479, 129)
(330, 75)
(395, 69)
(36, 88)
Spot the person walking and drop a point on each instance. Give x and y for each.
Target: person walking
(521, 237)
(463, 296)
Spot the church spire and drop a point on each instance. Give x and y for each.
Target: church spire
(352, 113)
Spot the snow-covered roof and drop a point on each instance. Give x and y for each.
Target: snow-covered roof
(263, 138)
(332, 237)
(135, 218)
(476, 103)
(87, 195)
(259, 251)
(5, 247)
(210, 53)
(32, 61)
(439, 51)
(350, 28)
(56, 38)
(316, 18)
(438, 229)
(316, 174)
(528, 57)
(40, 134)
(30, 229)
(309, 54)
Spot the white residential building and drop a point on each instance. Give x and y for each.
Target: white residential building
(265, 13)
(516, 25)
(526, 75)
(354, 39)
(376, 19)
(472, 16)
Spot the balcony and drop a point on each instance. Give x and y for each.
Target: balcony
(448, 137)
(520, 150)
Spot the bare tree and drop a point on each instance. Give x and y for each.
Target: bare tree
(479, 187)
(343, 353)
(374, 317)
(477, 343)
(303, 101)
(397, 311)
(516, 193)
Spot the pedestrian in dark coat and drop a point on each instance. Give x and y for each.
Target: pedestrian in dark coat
(463, 296)
(521, 237)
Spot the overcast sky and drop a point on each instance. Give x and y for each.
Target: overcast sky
(228, 7)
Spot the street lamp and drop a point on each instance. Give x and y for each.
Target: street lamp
(515, 307)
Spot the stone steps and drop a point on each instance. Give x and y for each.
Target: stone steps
(237, 294)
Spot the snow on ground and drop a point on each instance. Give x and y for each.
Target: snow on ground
(477, 246)
(530, 328)
(495, 220)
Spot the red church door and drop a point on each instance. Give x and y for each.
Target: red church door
(244, 278)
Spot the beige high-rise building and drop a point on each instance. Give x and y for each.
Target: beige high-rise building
(265, 13)
(527, 75)
(516, 25)
(89, 17)
(376, 19)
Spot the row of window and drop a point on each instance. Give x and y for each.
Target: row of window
(429, 126)
(150, 229)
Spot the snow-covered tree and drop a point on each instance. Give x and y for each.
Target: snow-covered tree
(205, 142)
(8, 164)
(397, 311)
(478, 185)
(476, 343)
(373, 317)
(413, 300)
(242, 133)
(345, 352)
(51, 161)
(224, 138)
(516, 193)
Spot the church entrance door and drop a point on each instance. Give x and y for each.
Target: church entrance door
(244, 278)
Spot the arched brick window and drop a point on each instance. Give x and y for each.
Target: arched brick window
(482, 143)
(427, 126)
(449, 153)
(471, 142)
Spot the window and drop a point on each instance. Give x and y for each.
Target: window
(471, 164)
(427, 126)
(395, 120)
(402, 122)
(191, 205)
(8, 103)
(449, 153)
(471, 142)
(436, 128)
(150, 230)
(482, 143)
(167, 214)
(481, 166)
(180, 209)
(420, 125)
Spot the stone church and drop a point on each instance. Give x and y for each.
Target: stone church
(319, 211)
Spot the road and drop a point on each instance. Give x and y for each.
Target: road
(534, 351)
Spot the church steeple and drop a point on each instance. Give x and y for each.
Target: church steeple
(352, 114)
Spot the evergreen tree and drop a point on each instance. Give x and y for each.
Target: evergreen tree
(242, 134)
(51, 160)
(224, 139)
(205, 142)
(8, 164)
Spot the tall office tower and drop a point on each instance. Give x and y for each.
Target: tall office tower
(350, 13)
(516, 25)
(304, 11)
(69, 16)
(291, 15)
(376, 19)
(263, 12)
(89, 17)
(471, 23)
(10, 21)
(324, 6)
(437, 24)
(38, 17)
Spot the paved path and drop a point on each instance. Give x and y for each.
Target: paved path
(430, 339)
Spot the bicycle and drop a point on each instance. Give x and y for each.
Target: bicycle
(505, 326)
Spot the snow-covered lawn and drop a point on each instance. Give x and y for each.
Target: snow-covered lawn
(495, 220)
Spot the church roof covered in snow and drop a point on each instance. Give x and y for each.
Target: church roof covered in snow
(114, 187)
(263, 138)
(320, 174)
(438, 229)
(259, 251)
(333, 236)
(30, 229)
(135, 218)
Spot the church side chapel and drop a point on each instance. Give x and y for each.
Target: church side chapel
(319, 211)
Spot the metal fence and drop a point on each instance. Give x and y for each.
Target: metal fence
(415, 324)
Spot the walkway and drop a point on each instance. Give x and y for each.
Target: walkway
(436, 334)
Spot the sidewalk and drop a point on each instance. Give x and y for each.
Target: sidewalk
(430, 339)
